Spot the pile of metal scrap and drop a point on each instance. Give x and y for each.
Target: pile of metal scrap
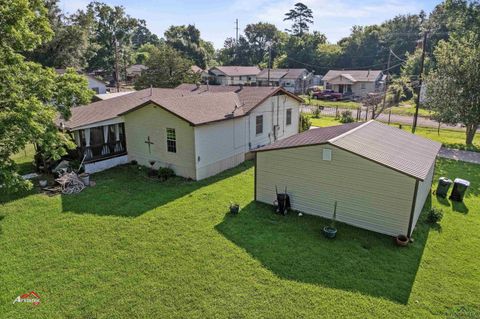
(70, 183)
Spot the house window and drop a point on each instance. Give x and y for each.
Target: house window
(232, 78)
(259, 124)
(171, 140)
(364, 86)
(289, 116)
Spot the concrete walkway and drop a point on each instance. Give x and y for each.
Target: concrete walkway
(465, 156)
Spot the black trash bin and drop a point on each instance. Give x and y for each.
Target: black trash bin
(459, 189)
(443, 186)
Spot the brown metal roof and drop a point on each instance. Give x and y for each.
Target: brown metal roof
(196, 105)
(389, 146)
(313, 136)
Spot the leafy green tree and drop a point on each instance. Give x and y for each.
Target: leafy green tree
(142, 35)
(31, 96)
(166, 68)
(453, 89)
(69, 45)
(235, 53)
(301, 16)
(112, 32)
(301, 51)
(187, 40)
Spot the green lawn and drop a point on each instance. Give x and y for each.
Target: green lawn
(137, 248)
(24, 160)
(407, 108)
(449, 138)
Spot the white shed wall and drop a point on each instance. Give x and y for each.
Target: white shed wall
(369, 195)
(422, 195)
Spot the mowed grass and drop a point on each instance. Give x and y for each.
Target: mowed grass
(406, 108)
(24, 160)
(449, 138)
(132, 247)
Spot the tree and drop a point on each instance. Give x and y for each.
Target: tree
(142, 35)
(166, 68)
(187, 40)
(453, 89)
(30, 95)
(261, 38)
(112, 32)
(69, 45)
(301, 51)
(301, 16)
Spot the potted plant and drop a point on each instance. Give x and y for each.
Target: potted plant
(234, 208)
(401, 240)
(152, 171)
(331, 231)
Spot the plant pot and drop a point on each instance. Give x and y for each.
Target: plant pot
(401, 240)
(43, 183)
(234, 209)
(329, 232)
(85, 178)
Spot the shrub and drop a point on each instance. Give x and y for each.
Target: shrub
(434, 215)
(165, 173)
(346, 117)
(305, 122)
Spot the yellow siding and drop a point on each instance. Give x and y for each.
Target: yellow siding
(153, 121)
(369, 195)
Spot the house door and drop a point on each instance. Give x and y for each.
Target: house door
(340, 88)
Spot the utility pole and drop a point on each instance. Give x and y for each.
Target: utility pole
(386, 80)
(420, 80)
(269, 63)
(117, 75)
(236, 31)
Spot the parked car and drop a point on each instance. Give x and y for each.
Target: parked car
(328, 95)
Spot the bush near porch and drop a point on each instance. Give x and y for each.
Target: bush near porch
(133, 247)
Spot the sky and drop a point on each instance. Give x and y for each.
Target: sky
(216, 19)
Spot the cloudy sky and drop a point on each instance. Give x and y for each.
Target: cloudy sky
(216, 19)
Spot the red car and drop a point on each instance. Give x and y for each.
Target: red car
(327, 95)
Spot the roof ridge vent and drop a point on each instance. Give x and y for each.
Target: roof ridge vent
(336, 138)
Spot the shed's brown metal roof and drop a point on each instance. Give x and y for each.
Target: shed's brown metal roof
(389, 146)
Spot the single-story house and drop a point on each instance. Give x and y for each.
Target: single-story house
(357, 82)
(234, 75)
(134, 71)
(93, 83)
(293, 80)
(380, 176)
(198, 131)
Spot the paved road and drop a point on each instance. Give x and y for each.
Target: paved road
(394, 118)
(465, 156)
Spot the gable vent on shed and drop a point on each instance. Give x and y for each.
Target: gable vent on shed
(327, 154)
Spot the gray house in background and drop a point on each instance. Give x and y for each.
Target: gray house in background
(380, 176)
(93, 83)
(293, 80)
(356, 82)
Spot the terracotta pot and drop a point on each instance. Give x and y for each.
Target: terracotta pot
(401, 240)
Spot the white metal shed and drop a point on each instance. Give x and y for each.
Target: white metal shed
(379, 175)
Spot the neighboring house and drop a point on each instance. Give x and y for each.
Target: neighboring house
(234, 75)
(380, 176)
(93, 83)
(134, 71)
(357, 82)
(203, 74)
(293, 80)
(107, 96)
(198, 131)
